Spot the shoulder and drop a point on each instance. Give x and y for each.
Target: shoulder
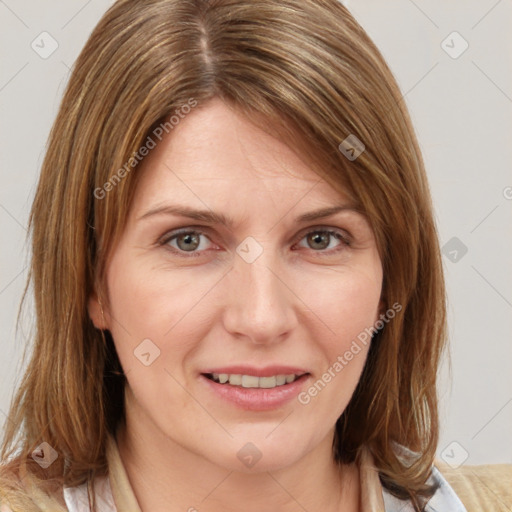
(445, 496)
(444, 499)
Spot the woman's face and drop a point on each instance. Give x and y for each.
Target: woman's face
(194, 301)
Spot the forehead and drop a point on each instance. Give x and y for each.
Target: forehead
(215, 154)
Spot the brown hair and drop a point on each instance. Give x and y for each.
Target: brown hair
(305, 68)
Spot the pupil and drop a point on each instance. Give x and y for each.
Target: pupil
(320, 238)
(188, 238)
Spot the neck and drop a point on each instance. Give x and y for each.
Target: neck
(167, 477)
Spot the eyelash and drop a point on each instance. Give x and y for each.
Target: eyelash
(164, 241)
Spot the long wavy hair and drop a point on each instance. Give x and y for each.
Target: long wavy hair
(303, 70)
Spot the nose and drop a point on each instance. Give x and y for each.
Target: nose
(260, 305)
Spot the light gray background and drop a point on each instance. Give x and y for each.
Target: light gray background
(462, 111)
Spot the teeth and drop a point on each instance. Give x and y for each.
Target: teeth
(249, 381)
(235, 380)
(252, 381)
(267, 382)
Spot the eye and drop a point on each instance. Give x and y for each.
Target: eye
(321, 239)
(194, 242)
(186, 241)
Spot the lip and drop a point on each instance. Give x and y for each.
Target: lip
(268, 371)
(256, 399)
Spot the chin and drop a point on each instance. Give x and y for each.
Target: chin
(259, 452)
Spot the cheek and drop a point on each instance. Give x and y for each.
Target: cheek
(348, 311)
(346, 303)
(147, 313)
(148, 300)
(143, 306)
(158, 304)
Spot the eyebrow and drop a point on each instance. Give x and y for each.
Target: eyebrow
(212, 217)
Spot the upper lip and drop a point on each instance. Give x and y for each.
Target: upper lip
(267, 371)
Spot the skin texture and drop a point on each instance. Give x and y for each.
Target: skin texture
(299, 303)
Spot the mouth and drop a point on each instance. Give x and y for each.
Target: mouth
(255, 389)
(255, 392)
(254, 381)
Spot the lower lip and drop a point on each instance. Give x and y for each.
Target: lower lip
(257, 399)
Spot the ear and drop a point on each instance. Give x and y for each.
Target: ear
(381, 310)
(98, 317)
(382, 306)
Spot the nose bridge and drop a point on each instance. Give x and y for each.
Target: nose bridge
(259, 305)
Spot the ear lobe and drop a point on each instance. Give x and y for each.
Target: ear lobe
(96, 313)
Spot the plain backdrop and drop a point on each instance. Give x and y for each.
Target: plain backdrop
(458, 87)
